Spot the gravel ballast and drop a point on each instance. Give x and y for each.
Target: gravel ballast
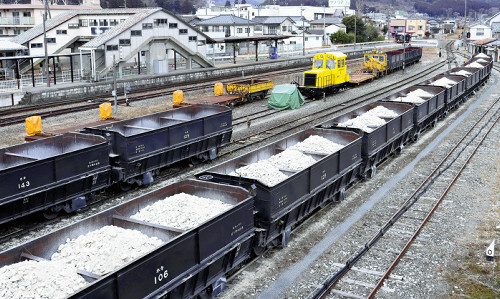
(44, 279)
(182, 211)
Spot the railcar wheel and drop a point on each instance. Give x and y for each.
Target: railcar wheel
(416, 136)
(51, 213)
(124, 186)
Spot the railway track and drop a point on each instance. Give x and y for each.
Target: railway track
(398, 233)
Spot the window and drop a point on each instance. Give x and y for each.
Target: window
(103, 22)
(172, 25)
(183, 31)
(61, 32)
(122, 20)
(147, 25)
(283, 28)
(317, 37)
(92, 22)
(201, 42)
(37, 45)
(51, 40)
(160, 22)
(247, 30)
(124, 42)
(318, 63)
(411, 28)
(112, 47)
(73, 26)
(83, 23)
(135, 32)
(239, 30)
(216, 28)
(192, 38)
(113, 22)
(419, 27)
(330, 64)
(1, 30)
(204, 28)
(17, 31)
(306, 39)
(290, 28)
(26, 14)
(258, 28)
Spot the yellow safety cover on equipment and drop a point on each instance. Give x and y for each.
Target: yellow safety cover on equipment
(105, 111)
(33, 125)
(178, 97)
(218, 89)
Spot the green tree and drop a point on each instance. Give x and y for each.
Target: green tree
(371, 33)
(340, 37)
(349, 24)
(385, 30)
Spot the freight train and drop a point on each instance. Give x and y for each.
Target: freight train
(329, 70)
(197, 260)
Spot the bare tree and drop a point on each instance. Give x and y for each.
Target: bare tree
(360, 6)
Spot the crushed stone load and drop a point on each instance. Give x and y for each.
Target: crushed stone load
(44, 279)
(381, 111)
(263, 171)
(414, 97)
(420, 93)
(366, 122)
(182, 210)
(317, 144)
(481, 60)
(291, 159)
(370, 120)
(409, 99)
(461, 73)
(444, 82)
(476, 65)
(482, 55)
(104, 250)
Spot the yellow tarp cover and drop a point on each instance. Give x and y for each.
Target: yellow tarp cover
(33, 125)
(218, 89)
(105, 111)
(178, 97)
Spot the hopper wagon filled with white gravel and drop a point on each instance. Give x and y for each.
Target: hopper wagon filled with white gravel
(472, 77)
(428, 102)
(483, 66)
(483, 58)
(292, 177)
(454, 86)
(176, 241)
(385, 128)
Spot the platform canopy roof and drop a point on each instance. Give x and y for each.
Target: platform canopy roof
(239, 39)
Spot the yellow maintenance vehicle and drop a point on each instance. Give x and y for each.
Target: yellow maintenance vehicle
(328, 74)
(374, 65)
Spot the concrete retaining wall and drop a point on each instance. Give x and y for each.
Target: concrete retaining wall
(60, 93)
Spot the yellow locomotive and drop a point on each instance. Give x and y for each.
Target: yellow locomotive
(328, 74)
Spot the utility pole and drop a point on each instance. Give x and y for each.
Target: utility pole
(465, 31)
(303, 32)
(248, 25)
(115, 112)
(46, 62)
(324, 27)
(355, 21)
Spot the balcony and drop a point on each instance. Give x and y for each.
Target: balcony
(13, 21)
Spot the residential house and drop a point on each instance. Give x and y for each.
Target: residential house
(397, 26)
(18, 18)
(480, 32)
(227, 25)
(416, 27)
(494, 23)
(274, 25)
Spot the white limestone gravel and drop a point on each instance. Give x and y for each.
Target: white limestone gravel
(461, 73)
(381, 111)
(182, 210)
(263, 171)
(104, 250)
(476, 65)
(370, 120)
(317, 144)
(444, 82)
(291, 159)
(482, 55)
(409, 99)
(420, 93)
(44, 279)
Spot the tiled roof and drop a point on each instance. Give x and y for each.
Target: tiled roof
(225, 20)
(485, 41)
(66, 16)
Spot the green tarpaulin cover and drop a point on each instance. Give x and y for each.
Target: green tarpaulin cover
(286, 96)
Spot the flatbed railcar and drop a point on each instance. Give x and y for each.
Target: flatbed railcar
(250, 89)
(199, 259)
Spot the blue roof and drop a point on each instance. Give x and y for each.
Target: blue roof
(225, 20)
